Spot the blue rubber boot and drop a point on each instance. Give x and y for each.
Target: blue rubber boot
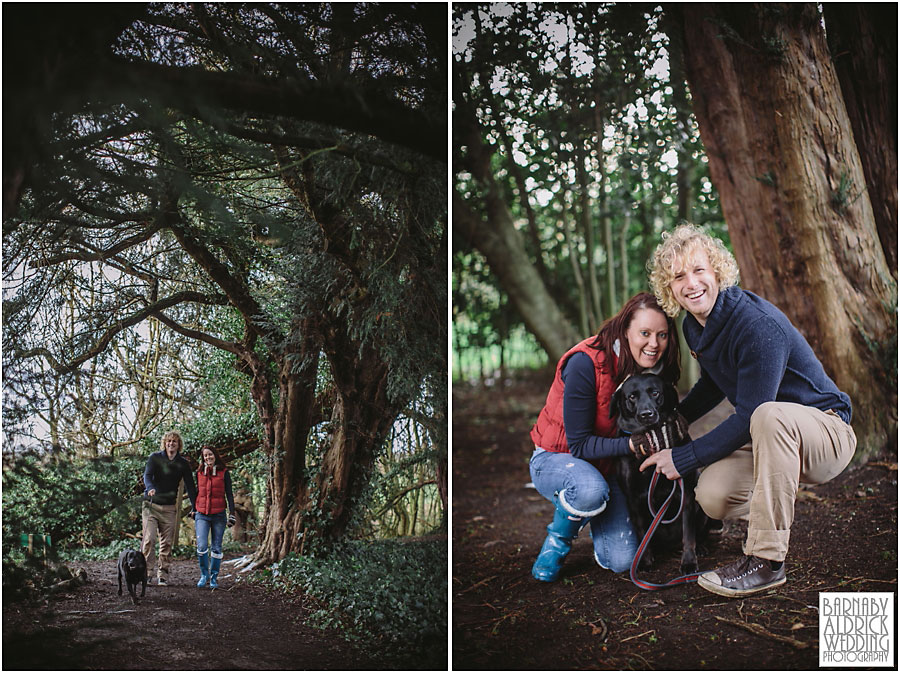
(214, 572)
(203, 560)
(560, 533)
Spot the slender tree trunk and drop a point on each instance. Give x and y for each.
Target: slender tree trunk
(793, 191)
(499, 241)
(494, 234)
(685, 176)
(575, 259)
(588, 227)
(610, 257)
(623, 255)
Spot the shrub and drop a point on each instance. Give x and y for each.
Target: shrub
(388, 592)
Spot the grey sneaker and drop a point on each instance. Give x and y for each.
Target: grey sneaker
(162, 582)
(746, 576)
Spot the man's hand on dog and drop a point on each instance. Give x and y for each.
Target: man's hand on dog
(662, 461)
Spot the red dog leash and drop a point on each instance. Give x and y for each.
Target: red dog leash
(657, 516)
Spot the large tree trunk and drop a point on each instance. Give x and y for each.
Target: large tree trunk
(863, 41)
(793, 190)
(287, 429)
(360, 422)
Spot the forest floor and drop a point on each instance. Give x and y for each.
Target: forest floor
(844, 538)
(239, 626)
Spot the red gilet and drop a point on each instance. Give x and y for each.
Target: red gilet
(549, 433)
(211, 490)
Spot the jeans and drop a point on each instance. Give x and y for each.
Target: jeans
(203, 524)
(589, 495)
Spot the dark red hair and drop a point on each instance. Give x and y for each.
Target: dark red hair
(614, 329)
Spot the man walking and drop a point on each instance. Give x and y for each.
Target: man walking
(159, 510)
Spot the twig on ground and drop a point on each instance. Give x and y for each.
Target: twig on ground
(848, 580)
(476, 585)
(600, 631)
(635, 654)
(94, 612)
(625, 640)
(760, 631)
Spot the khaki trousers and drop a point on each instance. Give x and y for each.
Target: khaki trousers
(791, 443)
(157, 520)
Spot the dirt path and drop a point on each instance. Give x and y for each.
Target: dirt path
(844, 539)
(179, 627)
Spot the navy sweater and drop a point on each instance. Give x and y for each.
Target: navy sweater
(750, 353)
(163, 475)
(580, 410)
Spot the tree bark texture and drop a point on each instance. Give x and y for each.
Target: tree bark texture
(362, 416)
(793, 191)
(863, 41)
(289, 427)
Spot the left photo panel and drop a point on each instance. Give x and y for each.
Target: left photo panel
(225, 336)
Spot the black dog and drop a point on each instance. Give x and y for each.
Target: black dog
(644, 402)
(133, 566)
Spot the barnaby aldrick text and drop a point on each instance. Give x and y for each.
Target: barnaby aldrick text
(856, 629)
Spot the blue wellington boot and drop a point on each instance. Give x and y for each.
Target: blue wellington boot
(214, 572)
(203, 560)
(560, 533)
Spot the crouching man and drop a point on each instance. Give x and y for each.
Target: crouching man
(786, 407)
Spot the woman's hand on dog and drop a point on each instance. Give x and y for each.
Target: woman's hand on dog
(662, 461)
(642, 446)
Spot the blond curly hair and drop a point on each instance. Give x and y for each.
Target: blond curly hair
(677, 247)
(171, 433)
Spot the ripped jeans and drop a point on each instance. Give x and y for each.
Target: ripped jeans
(586, 491)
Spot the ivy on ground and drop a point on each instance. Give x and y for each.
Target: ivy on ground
(388, 592)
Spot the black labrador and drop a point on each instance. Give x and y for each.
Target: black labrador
(644, 402)
(133, 567)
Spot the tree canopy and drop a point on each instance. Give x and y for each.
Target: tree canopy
(574, 147)
(263, 180)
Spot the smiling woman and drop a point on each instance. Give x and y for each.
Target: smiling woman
(576, 438)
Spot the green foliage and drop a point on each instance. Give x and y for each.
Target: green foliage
(842, 196)
(383, 592)
(65, 499)
(113, 549)
(109, 551)
(585, 125)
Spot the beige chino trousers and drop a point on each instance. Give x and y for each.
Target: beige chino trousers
(791, 443)
(157, 520)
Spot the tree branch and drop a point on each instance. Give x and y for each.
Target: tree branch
(197, 90)
(120, 325)
(197, 335)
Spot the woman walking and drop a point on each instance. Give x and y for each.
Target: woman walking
(213, 494)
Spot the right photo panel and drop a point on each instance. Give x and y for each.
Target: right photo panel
(674, 336)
